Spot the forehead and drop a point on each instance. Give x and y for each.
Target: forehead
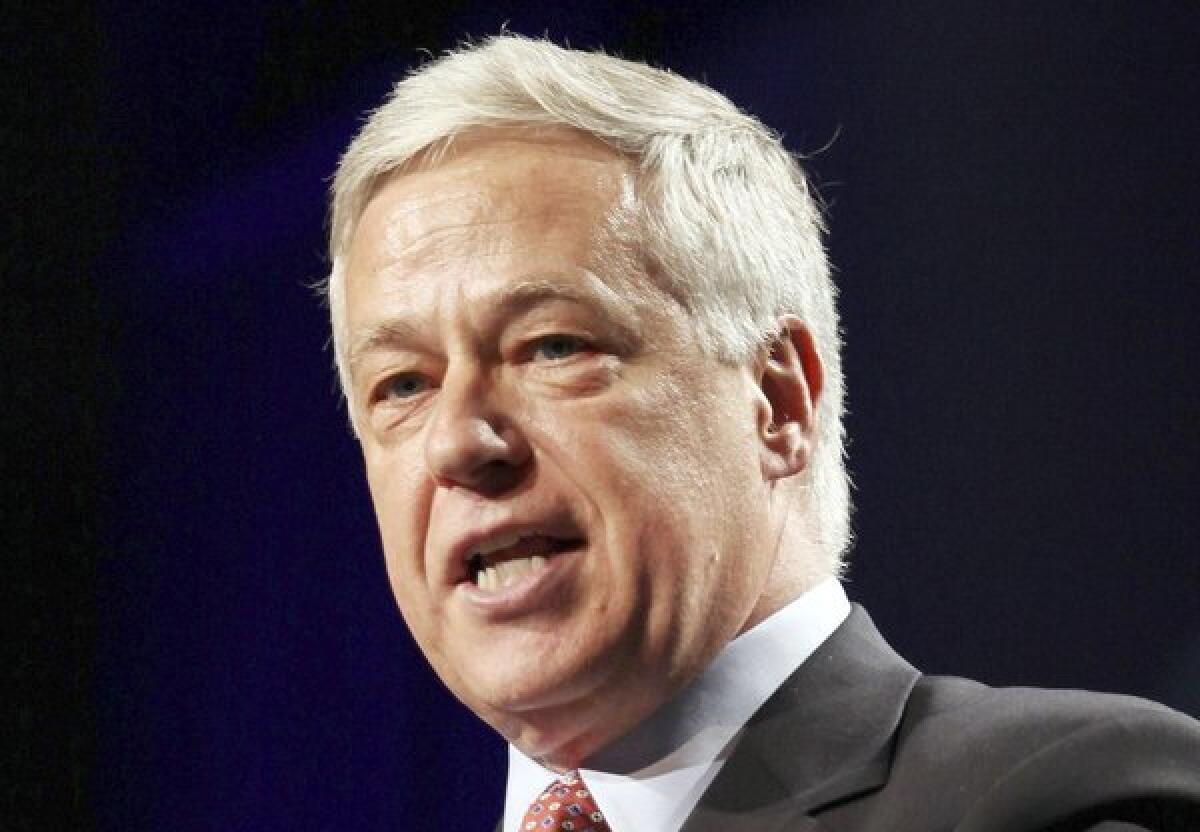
(502, 224)
(496, 192)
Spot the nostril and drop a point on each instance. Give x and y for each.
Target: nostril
(501, 476)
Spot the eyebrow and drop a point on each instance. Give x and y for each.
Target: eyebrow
(515, 299)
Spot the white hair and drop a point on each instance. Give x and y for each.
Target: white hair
(726, 215)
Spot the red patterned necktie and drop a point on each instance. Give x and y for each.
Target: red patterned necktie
(565, 806)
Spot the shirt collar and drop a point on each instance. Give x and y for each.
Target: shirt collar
(651, 778)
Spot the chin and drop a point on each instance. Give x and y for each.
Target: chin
(557, 741)
(540, 689)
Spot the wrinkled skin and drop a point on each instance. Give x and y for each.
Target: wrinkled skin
(514, 366)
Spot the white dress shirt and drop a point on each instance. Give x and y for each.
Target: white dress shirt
(651, 779)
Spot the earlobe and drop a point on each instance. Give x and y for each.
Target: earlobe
(790, 381)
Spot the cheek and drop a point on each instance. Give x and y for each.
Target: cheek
(645, 462)
(398, 497)
(697, 476)
(682, 436)
(685, 435)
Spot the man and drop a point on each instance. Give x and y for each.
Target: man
(587, 335)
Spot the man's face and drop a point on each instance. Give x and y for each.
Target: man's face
(569, 492)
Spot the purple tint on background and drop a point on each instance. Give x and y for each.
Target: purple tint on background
(1012, 225)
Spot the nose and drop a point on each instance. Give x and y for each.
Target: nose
(473, 443)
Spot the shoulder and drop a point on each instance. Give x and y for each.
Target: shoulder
(1026, 758)
(941, 708)
(858, 740)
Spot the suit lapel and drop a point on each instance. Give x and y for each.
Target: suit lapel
(825, 736)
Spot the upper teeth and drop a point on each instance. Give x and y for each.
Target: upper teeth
(508, 572)
(515, 562)
(502, 541)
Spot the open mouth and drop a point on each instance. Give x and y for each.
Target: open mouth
(505, 560)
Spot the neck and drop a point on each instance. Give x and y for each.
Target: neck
(798, 562)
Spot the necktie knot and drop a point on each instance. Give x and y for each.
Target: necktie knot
(565, 806)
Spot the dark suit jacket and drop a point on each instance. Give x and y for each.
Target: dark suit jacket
(859, 741)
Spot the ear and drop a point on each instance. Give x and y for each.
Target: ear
(790, 380)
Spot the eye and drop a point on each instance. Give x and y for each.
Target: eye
(558, 347)
(404, 386)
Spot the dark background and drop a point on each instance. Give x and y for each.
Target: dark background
(204, 637)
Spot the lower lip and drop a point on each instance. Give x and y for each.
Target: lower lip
(528, 594)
